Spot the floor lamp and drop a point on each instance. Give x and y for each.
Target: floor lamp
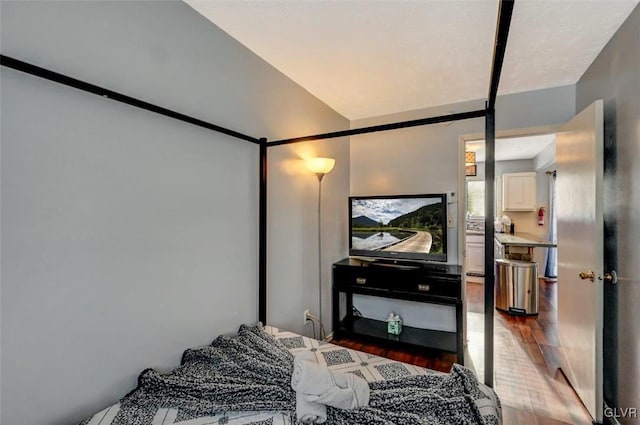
(320, 167)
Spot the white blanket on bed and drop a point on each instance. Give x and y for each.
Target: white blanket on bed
(331, 388)
(307, 411)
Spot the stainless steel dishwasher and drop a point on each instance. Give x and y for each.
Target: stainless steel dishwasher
(516, 284)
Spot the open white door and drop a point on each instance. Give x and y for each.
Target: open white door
(579, 156)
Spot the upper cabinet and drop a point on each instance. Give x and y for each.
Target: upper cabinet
(519, 191)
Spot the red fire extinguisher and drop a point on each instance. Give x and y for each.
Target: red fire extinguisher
(541, 216)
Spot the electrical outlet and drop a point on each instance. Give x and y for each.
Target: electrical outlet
(305, 317)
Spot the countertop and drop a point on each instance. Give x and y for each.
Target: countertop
(523, 239)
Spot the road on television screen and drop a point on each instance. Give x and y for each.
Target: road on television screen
(420, 242)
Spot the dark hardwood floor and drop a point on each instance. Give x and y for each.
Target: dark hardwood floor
(532, 389)
(432, 359)
(528, 379)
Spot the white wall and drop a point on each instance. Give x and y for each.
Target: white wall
(546, 159)
(126, 236)
(293, 231)
(124, 242)
(411, 160)
(425, 159)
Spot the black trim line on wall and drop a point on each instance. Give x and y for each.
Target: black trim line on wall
(37, 71)
(262, 236)
(505, 12)
(383, 127)
(489, 234)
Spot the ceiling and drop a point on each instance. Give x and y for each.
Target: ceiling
(513, 148)
(368, 58)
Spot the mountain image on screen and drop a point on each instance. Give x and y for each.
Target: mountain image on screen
(364, 221)
(420, 230)
(425, 217)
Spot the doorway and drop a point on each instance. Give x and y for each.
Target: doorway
(518, 151)
(527, 375)
(576, 322)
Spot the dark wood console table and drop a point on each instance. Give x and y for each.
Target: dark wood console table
(412, 281)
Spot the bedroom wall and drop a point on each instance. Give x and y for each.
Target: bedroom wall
(126, 236)
(615, 77)
(425, 159)
(293, 231)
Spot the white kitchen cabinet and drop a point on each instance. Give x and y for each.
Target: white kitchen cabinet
(475, 254)
(519, 191)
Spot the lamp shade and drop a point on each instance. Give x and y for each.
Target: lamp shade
(469, 158)
(320, 165)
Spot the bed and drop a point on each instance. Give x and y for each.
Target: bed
(245, 380)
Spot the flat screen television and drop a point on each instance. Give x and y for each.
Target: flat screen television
(407, 227)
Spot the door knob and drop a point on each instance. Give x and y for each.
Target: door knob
(588, 275)
(611, 277)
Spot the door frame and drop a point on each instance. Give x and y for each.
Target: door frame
(462, 201)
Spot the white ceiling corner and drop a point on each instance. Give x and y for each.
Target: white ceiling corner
(368, 58)
(552, 43)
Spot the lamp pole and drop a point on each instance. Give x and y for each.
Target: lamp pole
(320, 176)
(320, 167)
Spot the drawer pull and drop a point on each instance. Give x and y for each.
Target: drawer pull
(423, 287)
(361, 280)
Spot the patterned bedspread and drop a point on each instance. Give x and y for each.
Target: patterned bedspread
(374, 368)
(164, 399)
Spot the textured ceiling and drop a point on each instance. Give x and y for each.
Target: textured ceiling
(552, 43)
(512, 148)
(368, 58)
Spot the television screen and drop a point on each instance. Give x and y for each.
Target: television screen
(412, 227)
